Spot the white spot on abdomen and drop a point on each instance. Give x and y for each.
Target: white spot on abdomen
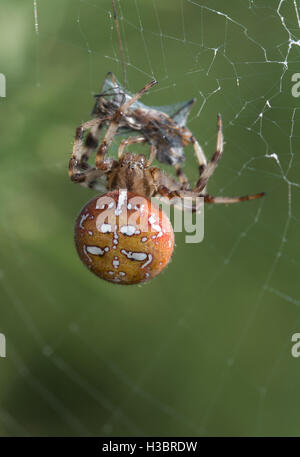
(95, 250)
(154, 226)
(148, 261)
(105, 228)
(116, 262)
(128, 230)
(135, 255)
(83, 218)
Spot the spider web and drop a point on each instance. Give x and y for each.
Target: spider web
(205, 348)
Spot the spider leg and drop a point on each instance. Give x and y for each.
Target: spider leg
(181, 176)
(114, 125)
(135, 97)
(81, 150)
(164, 191)
(191, 196)
(212, 164)
(127, 141)
(226, 200)
(199, 154)
(102, 149)
(92, 139)
(153, 152)
(181, 199)
(79, 169)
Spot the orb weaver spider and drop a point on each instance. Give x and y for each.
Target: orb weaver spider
(121, 253)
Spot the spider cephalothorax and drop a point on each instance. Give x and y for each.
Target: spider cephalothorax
(132, 172)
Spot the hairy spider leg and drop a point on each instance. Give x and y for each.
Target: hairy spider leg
(226, 200)
(114, 125)
(130, 140)
(199, 154)
(212, 164)
(79, 169)
(82, 150)
(181, 176)
(153, 152)
(181, 194)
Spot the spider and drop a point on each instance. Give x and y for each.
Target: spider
(120, 252)
(167, 135)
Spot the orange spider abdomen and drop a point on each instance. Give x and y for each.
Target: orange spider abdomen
(123, 237)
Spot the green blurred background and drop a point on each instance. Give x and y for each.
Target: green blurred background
(204, 349)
